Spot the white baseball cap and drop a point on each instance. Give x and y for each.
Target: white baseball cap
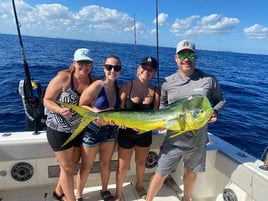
(82, 54)
(185, 44)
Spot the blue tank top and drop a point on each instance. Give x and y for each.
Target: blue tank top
(102, 101)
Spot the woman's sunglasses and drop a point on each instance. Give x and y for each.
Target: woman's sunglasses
(109, 67)
(84, 62)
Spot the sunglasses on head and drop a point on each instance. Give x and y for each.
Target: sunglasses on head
(84, 62)
(188, 56)
(109, 67)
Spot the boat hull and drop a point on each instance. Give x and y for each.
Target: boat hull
(29, 171)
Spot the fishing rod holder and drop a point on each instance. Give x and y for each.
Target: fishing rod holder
(33, 106)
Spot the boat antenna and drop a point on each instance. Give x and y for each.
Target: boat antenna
(31, 103)
(135, 41)
(157, 42)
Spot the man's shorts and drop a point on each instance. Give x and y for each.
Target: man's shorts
(56, 139)
(194, 158)
(94, 134)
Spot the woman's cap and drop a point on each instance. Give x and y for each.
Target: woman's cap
(82, 54)
(185, 44)
(151, 61)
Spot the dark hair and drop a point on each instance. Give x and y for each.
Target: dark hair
(115, 82)
(111, 56)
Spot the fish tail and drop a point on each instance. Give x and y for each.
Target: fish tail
(87, 115)
(84, 122)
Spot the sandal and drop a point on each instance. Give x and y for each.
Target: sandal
(106, 195)
(142, 193)
(58, 197)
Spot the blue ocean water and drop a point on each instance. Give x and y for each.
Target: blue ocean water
(243, 78)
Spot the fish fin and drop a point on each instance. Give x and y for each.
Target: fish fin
(175, 134)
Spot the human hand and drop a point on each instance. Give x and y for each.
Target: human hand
(121, 126)
(65, 112)
(136, 129)
(213, 118)
(101, 122)
(161, 129)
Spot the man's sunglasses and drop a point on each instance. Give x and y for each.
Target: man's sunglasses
(109, 67)
(184, 56)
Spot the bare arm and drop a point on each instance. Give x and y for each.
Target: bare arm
(55, 87)
(157, 99)
(89, 96)
(123, 92)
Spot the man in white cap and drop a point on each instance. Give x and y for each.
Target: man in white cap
(189, 148)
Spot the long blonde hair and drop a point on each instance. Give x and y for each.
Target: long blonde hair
(70, 70)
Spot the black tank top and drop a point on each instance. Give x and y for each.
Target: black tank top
(138, 106)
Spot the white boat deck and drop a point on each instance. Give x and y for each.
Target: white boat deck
(90, 193)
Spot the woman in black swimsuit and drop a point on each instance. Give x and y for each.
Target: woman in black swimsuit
(136, 94)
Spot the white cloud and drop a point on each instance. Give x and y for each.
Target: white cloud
(197, 25)
(256, 31)
(56, 20)
(162, 19)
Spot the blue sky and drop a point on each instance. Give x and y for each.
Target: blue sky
(225, 25)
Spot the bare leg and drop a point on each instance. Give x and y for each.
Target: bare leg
(141, 154)
(106, 153)
(66, 178)
(189, 179)
(88, 156)
(58, 189)
(124, 158)
(155, 186)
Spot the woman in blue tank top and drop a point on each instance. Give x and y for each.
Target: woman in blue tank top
(99, 136)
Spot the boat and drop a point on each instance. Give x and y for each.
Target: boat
(29, 170)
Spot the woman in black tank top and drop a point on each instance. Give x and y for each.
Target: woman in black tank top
(136, 95)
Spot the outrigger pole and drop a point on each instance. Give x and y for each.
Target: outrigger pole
(135, 41)
(33, 105)
(157, 43)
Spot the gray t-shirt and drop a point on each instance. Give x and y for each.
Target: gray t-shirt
(175, 87)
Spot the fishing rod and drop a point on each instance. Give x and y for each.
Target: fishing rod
(26, 67)
(30, 90)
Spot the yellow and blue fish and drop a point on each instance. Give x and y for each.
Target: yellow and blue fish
(186, 114)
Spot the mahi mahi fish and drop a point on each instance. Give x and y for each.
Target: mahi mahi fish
(186, 114)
